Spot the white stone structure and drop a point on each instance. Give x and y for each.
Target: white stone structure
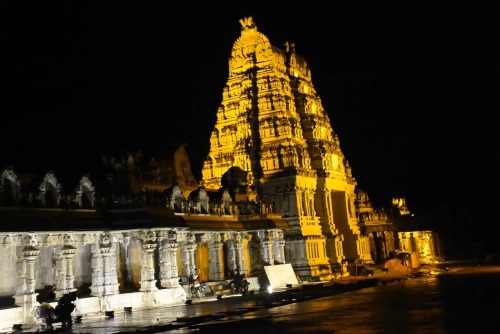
(97, 264)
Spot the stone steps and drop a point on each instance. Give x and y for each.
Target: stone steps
(218, 288)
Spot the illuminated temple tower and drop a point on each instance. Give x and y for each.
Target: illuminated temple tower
(271, 124)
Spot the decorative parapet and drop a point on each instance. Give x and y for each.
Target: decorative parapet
(11, 240)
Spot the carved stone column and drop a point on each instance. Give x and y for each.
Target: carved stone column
(97, 288)
(300, 202)
(173, 246)
(64, 266)
(231, 255)
(335, 252)
(169, 277)
(215, 258)
(148, 282)
(104, 277)
(405, 242)
(266, 245)
(238, 250)
(25, 293)
(279, 247)
(188, 260)
(69, 254)
(60, 273)
(126, 262)
(164, 260)
(110, 276)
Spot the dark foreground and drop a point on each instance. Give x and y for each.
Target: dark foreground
(458, 301)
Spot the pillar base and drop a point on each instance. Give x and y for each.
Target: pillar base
(170, 282)
(28, 303)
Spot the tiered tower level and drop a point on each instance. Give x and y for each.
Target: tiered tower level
(271, 124)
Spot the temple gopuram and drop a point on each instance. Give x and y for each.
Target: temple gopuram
(276, 190)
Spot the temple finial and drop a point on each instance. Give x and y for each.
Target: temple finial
(247, 23)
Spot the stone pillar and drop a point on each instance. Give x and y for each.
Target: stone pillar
(404, 242)
(25, 293)
(104, 277)
(69, 254)
(266, 245)
(60, 273)
(64, 266)
(299, 202)
(279, 247)
(148, 282)
(164, 263)
(97, 288)
(432, 245)
(173, 246)
(390, 242)
(169, 277)
(110, 275)
(126, 262)
(301, 250)
(231, 256)
(188, 260)
(215, 258)
(238, 250)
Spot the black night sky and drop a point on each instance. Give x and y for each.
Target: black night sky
(410, 90)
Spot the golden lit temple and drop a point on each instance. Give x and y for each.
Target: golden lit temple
(276, 191)
(272, 125)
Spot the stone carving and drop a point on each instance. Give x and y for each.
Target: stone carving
(49, 191)
(10, 188)
(85, 193)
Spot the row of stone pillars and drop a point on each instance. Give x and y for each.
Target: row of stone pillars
(105, 284)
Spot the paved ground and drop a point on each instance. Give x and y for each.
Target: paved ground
(180, 317)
